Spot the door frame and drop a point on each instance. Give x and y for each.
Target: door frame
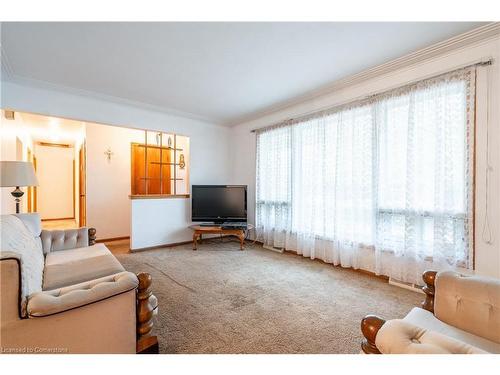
(82, 185)
(31, 189)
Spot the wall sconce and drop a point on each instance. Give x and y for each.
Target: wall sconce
(182, 162)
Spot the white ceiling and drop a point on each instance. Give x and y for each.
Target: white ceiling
(220, 72)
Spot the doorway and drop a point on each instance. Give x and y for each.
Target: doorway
(55, 172)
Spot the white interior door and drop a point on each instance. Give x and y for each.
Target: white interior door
(55, 178)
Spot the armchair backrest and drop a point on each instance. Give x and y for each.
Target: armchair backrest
(471, 303)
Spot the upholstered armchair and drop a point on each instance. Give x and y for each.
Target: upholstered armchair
(460, 315)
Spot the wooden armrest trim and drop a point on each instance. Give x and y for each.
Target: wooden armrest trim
(370, 325)
(429, 289)
(92, 236)
(146, 343)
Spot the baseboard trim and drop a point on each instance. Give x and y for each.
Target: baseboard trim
(407, 286)
(172, 244)
(293, 252)
(359, 270)
(275, 249)
(59, 218)
(112, 239)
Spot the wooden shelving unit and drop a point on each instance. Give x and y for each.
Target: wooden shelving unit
(160, 163)
(155, 166)
(158, 178)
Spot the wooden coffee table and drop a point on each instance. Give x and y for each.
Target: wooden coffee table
(200, 230)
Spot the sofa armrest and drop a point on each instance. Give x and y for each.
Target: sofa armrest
(400, 337)
(54, 240)
(56, 301)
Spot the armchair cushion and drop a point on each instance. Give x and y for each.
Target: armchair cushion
(68, 267)
(401, 337)
(17, 239)
(469, 303)
(55, 240)
(59, 300)
(428, 321)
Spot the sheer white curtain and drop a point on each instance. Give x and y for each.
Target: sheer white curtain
(384, 185)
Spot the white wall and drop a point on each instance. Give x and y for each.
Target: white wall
(54, 171)
(10, 132)
(7, 152)
(160, 221)
(108, 182)
(209, 143)
(487, 258)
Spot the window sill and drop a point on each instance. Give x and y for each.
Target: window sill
(158, 196)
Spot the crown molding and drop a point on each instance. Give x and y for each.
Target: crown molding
(480, 34)
(483, 33)
(45, 85)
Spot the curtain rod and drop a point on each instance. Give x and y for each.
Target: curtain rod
(364, 97)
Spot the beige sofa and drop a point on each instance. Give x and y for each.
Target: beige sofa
(460, 315)
(61, 293)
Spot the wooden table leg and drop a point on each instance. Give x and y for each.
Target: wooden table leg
(195, 238)
(241, 236)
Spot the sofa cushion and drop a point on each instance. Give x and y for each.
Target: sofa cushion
(400, 337)
(68, 267)
(17, 238)
(427, 320)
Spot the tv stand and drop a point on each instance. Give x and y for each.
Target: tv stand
(201, 229)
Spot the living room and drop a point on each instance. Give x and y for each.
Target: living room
(254, 188)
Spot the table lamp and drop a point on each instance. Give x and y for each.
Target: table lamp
(16, 174)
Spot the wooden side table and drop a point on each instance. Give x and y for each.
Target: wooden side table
(199, 231)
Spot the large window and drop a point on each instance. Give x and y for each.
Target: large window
(391, 175)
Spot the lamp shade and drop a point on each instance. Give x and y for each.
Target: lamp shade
(17, 173)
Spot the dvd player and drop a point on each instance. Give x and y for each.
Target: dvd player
(226, 225)
(230, 225)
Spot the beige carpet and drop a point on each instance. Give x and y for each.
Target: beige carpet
(222, 300)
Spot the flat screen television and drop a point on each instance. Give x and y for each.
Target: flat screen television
(219, 203)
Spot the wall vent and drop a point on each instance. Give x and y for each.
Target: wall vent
(272, 248)
(409, 286)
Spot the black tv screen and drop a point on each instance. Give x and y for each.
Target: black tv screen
(219, 203)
